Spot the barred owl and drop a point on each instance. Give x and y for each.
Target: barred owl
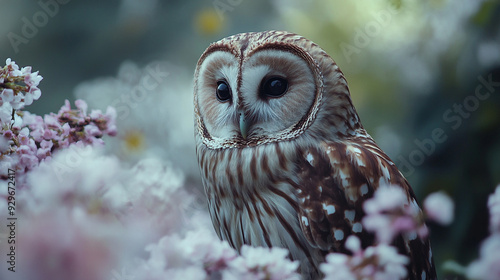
(283, 156)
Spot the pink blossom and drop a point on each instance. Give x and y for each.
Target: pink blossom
(262, 263)
(337, 267)
(65, 108)
(8, 134)
(43, 153)
(24, 136)
(61, 130)
(64, 245)
(494, 207)
(389, 213)
(487, 267)
(27, 161)
(4, 144)
(95, 114)
(46, 144)
(152, 192)
(15, 93)
(51, 121)
(81, 105)
(197, 254)
(36, 92)
(26, 70)
(5, 114)
(31, 79)
(37, 134)
(91, 130)
(375, 262)
(7, 95)
(439, 207)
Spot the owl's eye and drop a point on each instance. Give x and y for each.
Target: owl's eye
(274, 87)
(223, 91)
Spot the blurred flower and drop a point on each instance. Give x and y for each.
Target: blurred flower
(389, 213)
(199, 254)
(151, 105)
(151, 196)
(494, 206)
(208, 22)
(262, 263)
(487, 267)
(134, 141)
(439, 208)
(375, 262)
(147, 196)
(62, 245)
(77, 176)
(106, 212)
(196, 255)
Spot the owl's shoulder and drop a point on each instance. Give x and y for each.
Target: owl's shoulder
(335, 178)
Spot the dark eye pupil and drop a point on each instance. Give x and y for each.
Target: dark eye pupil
(223, 91)
(274, 87)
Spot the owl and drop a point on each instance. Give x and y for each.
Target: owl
(283, 156)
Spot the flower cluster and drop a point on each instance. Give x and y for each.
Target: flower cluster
(487, 267)
(388, 214)
(19, 87)
(200, 255)
(27, 139)
(375, 262)
(262, 263)
(33, 138)
(97, 214)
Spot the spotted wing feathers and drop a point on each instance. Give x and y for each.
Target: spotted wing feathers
(336, 178)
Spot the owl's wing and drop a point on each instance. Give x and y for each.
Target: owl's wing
(335, 179)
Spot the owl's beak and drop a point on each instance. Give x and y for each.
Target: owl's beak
(243, 126)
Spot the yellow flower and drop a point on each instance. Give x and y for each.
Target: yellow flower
(208, 22)
(134, 141)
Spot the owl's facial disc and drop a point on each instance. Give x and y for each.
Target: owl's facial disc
(262, 96)
(277, 90)
(272, 87)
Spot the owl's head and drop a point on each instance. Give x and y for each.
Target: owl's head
(262, 87)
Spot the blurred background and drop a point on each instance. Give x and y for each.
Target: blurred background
(424, 77)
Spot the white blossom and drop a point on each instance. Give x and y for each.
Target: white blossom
(439, 207)
(378, 262)
(487, 267)
(494, 207)
(389, 213)
(262, 263)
